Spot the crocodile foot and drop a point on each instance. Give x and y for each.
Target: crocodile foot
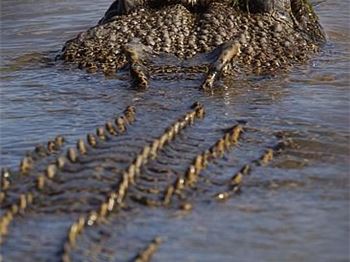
(137, 54)
(139, 58)
(226, 53)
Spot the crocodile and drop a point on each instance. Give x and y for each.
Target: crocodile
(215, 37)
(106, 181)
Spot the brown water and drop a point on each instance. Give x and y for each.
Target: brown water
(297, 209)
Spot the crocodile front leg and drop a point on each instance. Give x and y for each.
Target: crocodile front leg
(136, 55)
(226, 53)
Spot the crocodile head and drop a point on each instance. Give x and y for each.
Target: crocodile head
(250, 36)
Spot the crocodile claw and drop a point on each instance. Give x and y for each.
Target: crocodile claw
(227, 52)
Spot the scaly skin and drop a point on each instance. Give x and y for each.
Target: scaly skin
(269, 35)
(107, 177)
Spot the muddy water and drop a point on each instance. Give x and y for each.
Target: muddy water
(295, 209)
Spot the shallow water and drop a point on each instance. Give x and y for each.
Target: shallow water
(297, 209)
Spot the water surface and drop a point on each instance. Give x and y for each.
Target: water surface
(297, 209)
